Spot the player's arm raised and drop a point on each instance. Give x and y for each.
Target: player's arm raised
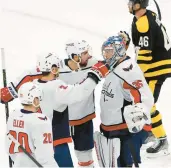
(70, 94)
(9, 93)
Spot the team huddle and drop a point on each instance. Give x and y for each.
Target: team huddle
(59, 102)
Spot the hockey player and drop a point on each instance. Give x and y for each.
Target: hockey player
(126, 101)
(81, 113)
(57, 125)
(60, 120)
(154, 59)
(31, 129)
(68, 94)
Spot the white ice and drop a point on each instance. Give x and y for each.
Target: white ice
(28, 27)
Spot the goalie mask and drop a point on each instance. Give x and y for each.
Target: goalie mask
(28, 92)
(113, 49)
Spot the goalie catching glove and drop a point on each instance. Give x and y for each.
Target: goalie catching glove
(136, 117)
(99, 71)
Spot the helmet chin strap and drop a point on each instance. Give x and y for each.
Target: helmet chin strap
(36, 105)
(53, 72)
(78, 63)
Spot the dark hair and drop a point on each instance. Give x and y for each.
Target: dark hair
(45, 73)
(72, 55)
(26, 104)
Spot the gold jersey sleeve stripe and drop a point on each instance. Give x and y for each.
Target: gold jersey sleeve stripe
(144, 52)
(144, 58)
(157, 73)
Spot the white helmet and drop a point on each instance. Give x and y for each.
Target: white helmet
(46, 61)
(28, 91)
(76, 47)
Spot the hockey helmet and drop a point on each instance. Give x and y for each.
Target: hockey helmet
(28, 91)
(76, 48)
(143, 3)
(46, 61)
(116, 46)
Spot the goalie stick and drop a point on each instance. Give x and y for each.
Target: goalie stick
(5, 84)
(24, 150)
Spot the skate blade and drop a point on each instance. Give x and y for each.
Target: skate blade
(145, 146)
(164, 152)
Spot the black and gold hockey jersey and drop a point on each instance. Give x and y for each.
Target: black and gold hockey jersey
(154, 56)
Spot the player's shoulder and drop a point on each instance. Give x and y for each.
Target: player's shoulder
(15, 112)
(39, 119)
(143, 23)
(128, 69)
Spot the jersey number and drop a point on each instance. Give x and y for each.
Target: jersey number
(22, 138)
(167, 43)
(143, 42)
(138, 84)
(47, 138)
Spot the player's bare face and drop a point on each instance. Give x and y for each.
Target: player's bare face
(55, 71)
(36, 102)
(84, 58)
(77, 58)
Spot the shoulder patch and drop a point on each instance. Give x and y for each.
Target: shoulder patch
(142, 24)
(43, 118)
(128, 68)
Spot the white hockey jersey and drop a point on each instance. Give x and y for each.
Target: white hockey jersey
(34, 132)
(80, 112)
(84, 110)
(57, 94)
(123, 86)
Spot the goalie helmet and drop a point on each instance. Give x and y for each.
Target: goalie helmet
(28, 91)
(76, 48)
(116, 46)
(46, 61)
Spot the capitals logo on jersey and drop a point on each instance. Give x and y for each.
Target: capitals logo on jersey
(43, 118)
(107, 94)
(128, 68)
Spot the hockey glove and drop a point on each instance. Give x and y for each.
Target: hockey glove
(125, 37)
(99, 71)
(135, 117)
(7, 94)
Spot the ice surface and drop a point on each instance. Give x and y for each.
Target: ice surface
(28, 27)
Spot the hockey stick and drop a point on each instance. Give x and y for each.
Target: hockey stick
(5, 84)
(133, 153)
(158, 9)
(23, 149)
(4, 80)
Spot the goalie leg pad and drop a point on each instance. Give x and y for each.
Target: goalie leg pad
(107, 150)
